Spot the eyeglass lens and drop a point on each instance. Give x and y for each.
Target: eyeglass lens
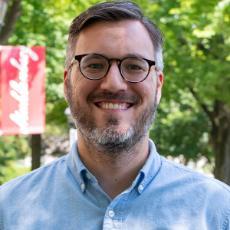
(95, 67)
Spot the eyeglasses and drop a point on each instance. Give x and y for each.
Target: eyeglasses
(96, 66)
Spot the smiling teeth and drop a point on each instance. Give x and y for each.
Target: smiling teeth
(114, 106)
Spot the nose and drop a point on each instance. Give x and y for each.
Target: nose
(113, 80)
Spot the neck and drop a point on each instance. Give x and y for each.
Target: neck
(114, 171)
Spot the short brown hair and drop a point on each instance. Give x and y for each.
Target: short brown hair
(111, 12)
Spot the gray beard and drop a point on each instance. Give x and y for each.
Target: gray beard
(108, 140)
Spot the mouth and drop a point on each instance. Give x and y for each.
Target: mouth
(113, 105)
(114, 101)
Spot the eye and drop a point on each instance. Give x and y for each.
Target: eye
(133, 67)
(94, 66)
(93, 63)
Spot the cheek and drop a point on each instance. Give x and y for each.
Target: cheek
(147, 90)
(82, 88)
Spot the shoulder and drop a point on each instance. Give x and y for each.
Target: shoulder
(199, 190)
(35, 191)
(178, 172)
(23, 184)
(196, 187)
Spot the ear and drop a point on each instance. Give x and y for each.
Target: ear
(65, 76)
(160, 82)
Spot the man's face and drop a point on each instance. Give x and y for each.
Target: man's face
(112, 114)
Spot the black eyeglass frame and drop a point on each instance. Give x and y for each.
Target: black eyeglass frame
(119, 61)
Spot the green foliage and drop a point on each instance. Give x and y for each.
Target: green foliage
(196, 59)
(41, 23)
(12, 170)
(181, 129)
(11, 148)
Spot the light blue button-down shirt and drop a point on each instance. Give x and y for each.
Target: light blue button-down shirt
(66, 196)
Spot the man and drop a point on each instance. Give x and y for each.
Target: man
(113, 178)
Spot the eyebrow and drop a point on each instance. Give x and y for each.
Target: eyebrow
(124, 56)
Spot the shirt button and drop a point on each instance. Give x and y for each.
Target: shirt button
(111, 213)
(140, 188)
(82, 187)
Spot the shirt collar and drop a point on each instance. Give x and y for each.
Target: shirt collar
(76, 166)
(144, 177)
(150, 168)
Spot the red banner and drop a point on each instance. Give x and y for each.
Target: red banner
(22, 90)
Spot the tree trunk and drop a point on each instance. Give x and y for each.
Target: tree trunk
(36, 151)
(10, 19)
(220, 136)
(220, 139)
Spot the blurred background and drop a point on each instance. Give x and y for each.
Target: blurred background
(193, 120)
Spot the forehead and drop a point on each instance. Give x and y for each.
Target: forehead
(115, 39)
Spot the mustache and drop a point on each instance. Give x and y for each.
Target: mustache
(122, 96)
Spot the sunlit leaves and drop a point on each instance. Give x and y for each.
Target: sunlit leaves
(196, 53)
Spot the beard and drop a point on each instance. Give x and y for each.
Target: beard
(109, 139)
